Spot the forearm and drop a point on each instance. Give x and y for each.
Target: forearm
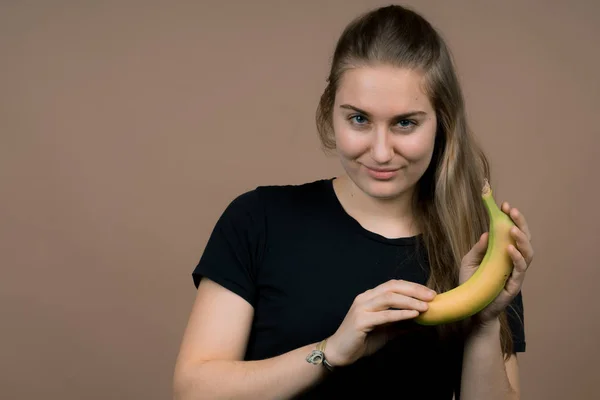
(278, 377)
(484, 374)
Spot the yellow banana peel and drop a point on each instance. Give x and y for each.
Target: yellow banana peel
(488, 280)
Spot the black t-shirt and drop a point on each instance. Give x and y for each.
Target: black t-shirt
(299, 259)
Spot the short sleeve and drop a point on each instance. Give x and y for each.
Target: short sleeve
(516, 320)
(234, 249)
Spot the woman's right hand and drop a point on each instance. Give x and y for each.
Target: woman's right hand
(363, 330)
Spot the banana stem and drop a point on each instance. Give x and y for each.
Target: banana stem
(487, 189)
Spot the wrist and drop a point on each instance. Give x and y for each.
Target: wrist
(334, 352)
(319, 356)
(332, 360)
(486, 328)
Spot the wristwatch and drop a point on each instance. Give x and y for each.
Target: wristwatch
(317, 356)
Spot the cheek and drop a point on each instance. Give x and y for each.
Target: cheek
(420, 151)
(350, 144)
(417, 148)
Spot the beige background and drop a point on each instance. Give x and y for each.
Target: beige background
(126, 127)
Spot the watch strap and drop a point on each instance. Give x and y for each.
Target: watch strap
(320, 352)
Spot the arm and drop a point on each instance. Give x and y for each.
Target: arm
(209, 362)
(485, 373)
(210, 359)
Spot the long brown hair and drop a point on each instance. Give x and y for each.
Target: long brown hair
(447, 200)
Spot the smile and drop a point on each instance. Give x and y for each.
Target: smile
(382, 173)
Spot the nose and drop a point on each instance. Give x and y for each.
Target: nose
(382, 150)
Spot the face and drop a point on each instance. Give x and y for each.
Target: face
(384, 128)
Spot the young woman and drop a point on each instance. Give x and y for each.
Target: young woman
(343, 265)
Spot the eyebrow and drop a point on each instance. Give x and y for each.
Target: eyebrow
(399, 116)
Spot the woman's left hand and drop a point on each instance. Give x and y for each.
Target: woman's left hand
(521, 256)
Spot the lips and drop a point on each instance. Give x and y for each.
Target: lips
(381, 174)
(382, 169)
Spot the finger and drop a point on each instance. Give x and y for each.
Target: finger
(483, 240)
(523, 244)
(397, 301)
(407, 288)
(477, 252)
(518, 218)
(388, 316)
(480, 247)
(521, 222)
(413, 289)
(515, 281)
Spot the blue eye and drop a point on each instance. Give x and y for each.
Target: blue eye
(405, 123)
(358, 119)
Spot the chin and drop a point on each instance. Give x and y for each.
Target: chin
(383, 190)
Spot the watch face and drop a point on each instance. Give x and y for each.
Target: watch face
(315, 357)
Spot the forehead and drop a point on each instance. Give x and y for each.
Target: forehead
(383, 90)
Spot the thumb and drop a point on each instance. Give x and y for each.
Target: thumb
(477, 252)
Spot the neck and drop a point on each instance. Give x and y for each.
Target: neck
(389, 217)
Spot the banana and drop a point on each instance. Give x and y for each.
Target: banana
(488, 280)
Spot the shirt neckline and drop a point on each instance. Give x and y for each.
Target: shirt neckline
(353, 224)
